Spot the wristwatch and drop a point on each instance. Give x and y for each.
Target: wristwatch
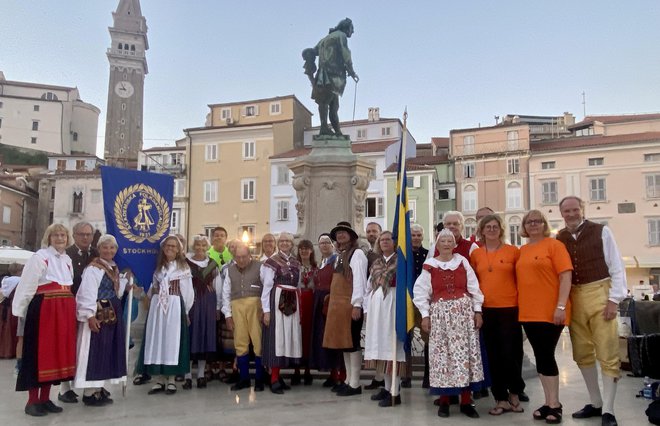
(561, 307)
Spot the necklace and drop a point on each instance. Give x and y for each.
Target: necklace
(490, 263)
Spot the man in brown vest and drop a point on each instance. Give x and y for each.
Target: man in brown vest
(241, 297)
(599, 284)
(344, 320)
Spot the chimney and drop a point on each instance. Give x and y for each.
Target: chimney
(374, 114)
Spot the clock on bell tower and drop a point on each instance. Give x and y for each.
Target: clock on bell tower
(128, 66)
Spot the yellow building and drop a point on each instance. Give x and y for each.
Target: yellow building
(229, 174)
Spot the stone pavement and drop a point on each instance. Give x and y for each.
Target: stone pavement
(310, 405)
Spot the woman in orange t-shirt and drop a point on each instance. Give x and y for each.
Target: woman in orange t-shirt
(543, 273)
(495, 265)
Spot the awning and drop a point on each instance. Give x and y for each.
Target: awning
(14, 254)
(648, 261)
(629, 262)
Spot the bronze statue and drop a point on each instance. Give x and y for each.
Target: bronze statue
(329, 82)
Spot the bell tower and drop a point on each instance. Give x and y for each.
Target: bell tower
(128, 66)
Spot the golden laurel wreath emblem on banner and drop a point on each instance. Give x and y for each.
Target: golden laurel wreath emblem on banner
(142, 226)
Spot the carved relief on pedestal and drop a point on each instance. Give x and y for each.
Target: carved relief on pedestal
(301, 185)
(360, 183)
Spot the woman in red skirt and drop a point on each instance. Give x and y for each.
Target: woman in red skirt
(43, 298)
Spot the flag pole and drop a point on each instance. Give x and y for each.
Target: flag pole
(402, 188)
(129, 314)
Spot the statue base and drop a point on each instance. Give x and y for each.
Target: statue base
(331, 184)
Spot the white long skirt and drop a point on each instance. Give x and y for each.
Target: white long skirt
(380, 332)
(163, 333)
(288, 335)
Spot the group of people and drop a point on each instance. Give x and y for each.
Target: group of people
(473, 299)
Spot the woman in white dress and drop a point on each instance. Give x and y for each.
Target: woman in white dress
(380, 311)
(166, 348)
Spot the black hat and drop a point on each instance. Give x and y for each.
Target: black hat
(343, 226)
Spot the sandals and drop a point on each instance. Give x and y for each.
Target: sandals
(543, 413)
(187, 384)
(158, 388)
(141, 379)
(171, 389)
(556, 413)
(498, 411)
(516, 408)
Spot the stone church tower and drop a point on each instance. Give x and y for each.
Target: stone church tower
(128, 66)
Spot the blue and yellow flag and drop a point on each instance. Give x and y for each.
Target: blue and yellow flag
(405, 267)
(138, 208)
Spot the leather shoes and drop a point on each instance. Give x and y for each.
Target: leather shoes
(295, 379)
(522, 396)
(587, 412)
(406, 383)
(469, 410)
(443, 410)
(35, 410)
(68, 397)
(380, 395)
(94, 400)
(187, 384)
(258, 386)
(375, 384)
(242, 384)
(609, 420)
(387, 402)
(338, 387)
(201, 383)
(284, 385)
(276, 388)
(49, 407)
(350, 391)
(308, 379)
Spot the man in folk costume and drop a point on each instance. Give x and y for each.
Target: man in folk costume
(344, 320)
(380, 305)
(241, 305)
(81, 253)
(282, 336)
(599, 285)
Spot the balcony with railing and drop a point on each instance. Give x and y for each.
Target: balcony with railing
(486, 148)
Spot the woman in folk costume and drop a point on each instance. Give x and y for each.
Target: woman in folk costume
(380, 311)
(44, 299)
(207, 284)
(448, 297)
(321, 358)
(166, 348)
(307, 286)
(282, 346)
(101, 327)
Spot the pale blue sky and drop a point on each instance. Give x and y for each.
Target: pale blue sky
(453, 64)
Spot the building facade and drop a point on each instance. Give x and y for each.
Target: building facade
(229, 180)
(47, 118)
(490, 167)
(170, 160)
(18, 206)
(128, 67)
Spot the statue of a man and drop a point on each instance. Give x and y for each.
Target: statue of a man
(329, 82)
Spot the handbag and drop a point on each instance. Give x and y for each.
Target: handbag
(287, 303)
(105, 312)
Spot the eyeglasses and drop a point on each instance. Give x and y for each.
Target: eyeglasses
(534, 222)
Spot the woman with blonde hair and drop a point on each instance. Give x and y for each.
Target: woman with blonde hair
(543, 273)
(166, 350)
(495, 265)
(49, 346)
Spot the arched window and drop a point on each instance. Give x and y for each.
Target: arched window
(125, 46)
(119, 46)
(513, 196)
(469, 198)
(470, 228)
(514, 231)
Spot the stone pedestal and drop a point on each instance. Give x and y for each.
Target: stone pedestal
(331, 184)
